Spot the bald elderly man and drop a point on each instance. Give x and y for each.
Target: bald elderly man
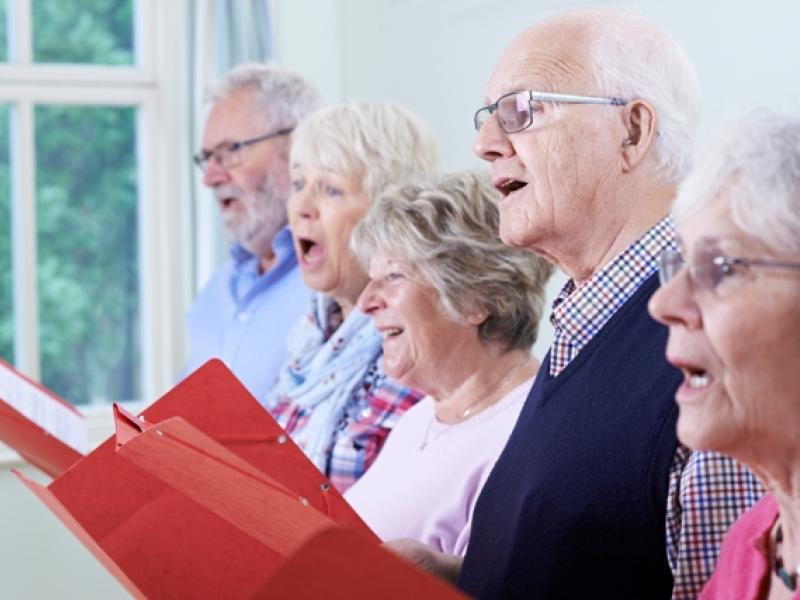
(588, 126)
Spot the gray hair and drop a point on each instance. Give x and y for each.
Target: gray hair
(755, 162)
(380, 141)
(283, 97)
(632, 58)
(446, 229)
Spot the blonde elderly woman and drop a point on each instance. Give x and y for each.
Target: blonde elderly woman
(731, 299)
(458, 311)
(331, 394)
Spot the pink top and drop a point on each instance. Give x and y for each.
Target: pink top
(425, 481)
(743, 569)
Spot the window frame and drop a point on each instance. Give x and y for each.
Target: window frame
(158, 87)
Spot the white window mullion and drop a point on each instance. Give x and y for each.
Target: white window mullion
(20, 36)
(23, 240)
(165, 202)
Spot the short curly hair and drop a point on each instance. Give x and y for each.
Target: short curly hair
(446, 229)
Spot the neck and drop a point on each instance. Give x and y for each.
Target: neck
(490, 381)
(267, 262)
(346, 305)
(631, 213)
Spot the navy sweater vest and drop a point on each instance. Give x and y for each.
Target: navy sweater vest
(576, 505)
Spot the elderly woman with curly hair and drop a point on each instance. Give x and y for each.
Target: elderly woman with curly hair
(731, 298)
(332, 396)
(458, 311)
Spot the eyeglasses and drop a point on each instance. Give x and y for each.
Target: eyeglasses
(228, 154)
(710, 266)
(515, 110)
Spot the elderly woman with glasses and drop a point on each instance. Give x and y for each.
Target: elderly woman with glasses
(733, 311)
(332, 396)
(458, 311)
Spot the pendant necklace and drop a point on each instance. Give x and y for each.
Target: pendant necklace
(468, 411)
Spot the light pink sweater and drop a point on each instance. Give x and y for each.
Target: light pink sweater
(429, 493)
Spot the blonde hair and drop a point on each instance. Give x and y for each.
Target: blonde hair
(446, 229)
(380, 141)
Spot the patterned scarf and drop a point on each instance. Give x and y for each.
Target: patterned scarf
(320, 375)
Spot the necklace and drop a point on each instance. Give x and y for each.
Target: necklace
(468, 411)
(788, 579)
(426, 439)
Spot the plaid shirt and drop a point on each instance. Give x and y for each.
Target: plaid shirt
(372, 412)
(707, 491)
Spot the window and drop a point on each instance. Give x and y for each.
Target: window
(86, 216)
(3, 28)
(94, 32)
(94, 195)
(6, 307)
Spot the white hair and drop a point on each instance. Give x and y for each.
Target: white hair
(379, 141)
(283, 97)
(753, 164)
(631, 58)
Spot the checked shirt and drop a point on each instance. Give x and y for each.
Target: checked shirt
(707, 491)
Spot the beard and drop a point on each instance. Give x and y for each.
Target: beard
(258, 218)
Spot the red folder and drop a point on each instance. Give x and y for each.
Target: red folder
(160, 543)
(340, 565)
(40, 447)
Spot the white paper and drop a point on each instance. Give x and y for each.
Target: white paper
(47, 412)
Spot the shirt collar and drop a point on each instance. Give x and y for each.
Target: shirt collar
(282, 246)
(580, 311)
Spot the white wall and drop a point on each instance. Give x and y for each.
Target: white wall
(432, 56)
(39, 557)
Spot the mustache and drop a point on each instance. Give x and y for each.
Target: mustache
(227, 191)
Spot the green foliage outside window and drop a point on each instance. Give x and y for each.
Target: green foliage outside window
(6, 310)
(87, 222)
(87, 251)
(83, 31)
(3, 38)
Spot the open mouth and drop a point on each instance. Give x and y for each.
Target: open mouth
(391, 332)
(696, 378)
(226, 202)
(310, 250)
(508, 186)
(306, 245)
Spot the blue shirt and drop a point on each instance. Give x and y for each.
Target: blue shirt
(243, 317)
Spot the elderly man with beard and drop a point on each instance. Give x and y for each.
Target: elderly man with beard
(243, 314)
(588, 126)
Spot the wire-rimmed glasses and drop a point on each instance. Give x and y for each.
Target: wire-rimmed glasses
(515, 109)
(228, 154)
(709, 265)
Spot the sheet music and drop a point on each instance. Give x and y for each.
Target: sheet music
(49, 414)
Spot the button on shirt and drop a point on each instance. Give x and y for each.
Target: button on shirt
(707, 491)
(243, 316)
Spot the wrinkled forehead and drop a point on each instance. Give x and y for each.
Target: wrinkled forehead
(547, 59)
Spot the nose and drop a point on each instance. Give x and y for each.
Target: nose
(215, 174)
(673, 303)
(491, 142)
(301, 204)
(371, 300)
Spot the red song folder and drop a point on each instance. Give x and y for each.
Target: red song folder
(45, 430)
(337, 564)
(160, 543)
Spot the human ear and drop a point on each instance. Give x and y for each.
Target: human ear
(477, 317)
(640, 123)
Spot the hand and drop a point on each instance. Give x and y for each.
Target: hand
(444, 566)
